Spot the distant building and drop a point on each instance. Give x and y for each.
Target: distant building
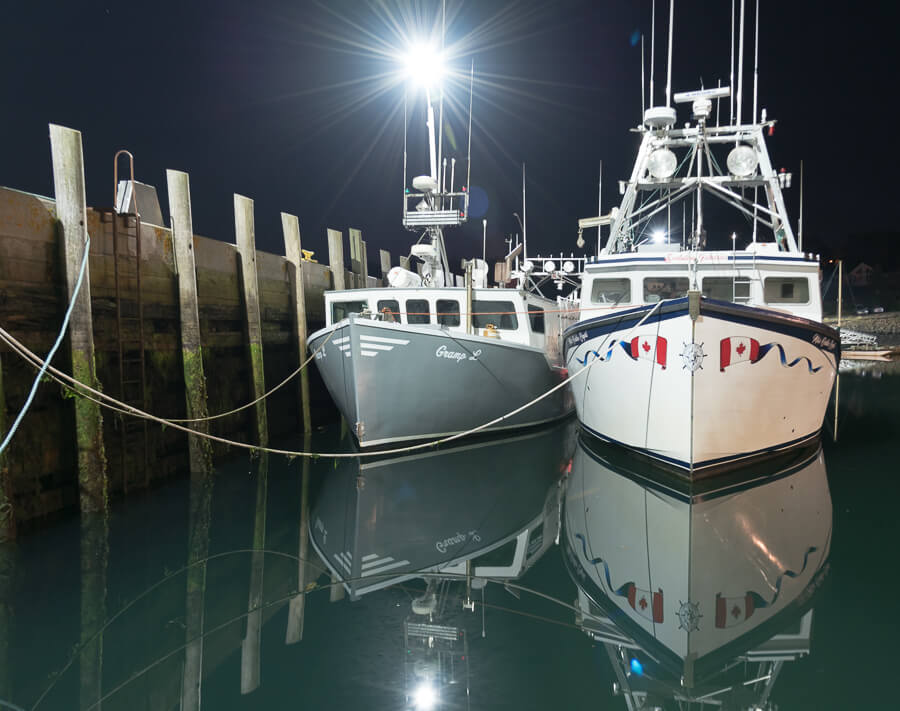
(861, 275)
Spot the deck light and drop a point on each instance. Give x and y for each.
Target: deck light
(568, 266)
(659, 236)
(549, 266)
(662, 163)
(742, 161)
(636, 666)
(424, 65)
(425, 697)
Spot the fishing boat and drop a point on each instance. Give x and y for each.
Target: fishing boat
(705, 347)
(691, 592)
(436, 354)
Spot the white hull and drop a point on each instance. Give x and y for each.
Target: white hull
(734, 383)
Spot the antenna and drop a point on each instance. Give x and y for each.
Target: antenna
(405, 121)
(643, 89)
(469, 154)
(652, 48)
(731, 80)
(740, 65)
(524, 216)
(440, 148)
(599, 205)
(669, 73)
(756, 62)
(800, 226)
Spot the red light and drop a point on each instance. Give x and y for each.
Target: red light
(464, 188)
(462, 214)
(772, 129)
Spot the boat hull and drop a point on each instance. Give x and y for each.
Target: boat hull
(728, 384)
(394, 382)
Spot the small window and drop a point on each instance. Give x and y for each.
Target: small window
(417, 311)
(448, 312)
(502, 314)
(658, 288)
(724, 288)
(389, 309)
(536, 318)
(786, 290)
(611, 291)
(340, 309)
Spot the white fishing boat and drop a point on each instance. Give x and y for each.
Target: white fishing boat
(708, 346)
(435, 354)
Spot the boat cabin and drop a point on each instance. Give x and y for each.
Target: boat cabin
(507, 314)
(771, 280)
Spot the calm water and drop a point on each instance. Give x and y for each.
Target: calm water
(565, 570)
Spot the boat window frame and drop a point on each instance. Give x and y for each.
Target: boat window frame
(442, 316)
(413, 312)
(732, 283)
(626, 299)
(392, 305)
(784, 279)
(536, 316)
(482, 315)
(339, 302)
(664, 294)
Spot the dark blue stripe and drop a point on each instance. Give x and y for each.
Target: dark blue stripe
(728, 258)
(707, 462)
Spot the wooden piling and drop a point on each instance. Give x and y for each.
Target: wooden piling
(290, 225)
(252, 641)
(7, 510)
(199, 449)
(336, 258)
(246, 243)
(356, 258)
(365, 264)
(7, 617)
(385, 265)
(404, 263)
(94, 561)
(71, 213)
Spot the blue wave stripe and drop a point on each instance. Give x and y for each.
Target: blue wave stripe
(763, 350)
(622, 591)
(759, 601)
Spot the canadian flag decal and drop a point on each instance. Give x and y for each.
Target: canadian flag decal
(738, 349)
(731, 611)
(645, 603)
(648, 347)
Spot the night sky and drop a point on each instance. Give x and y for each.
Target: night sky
(298, 105)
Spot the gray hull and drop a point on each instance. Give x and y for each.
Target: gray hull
(394, 382)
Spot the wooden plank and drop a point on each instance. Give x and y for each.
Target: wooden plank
(385, 265)
(336, 258)
(71, 208)
(290, 225)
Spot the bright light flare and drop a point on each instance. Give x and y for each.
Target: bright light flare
(425, 697)
(659, 236)
(424, 65)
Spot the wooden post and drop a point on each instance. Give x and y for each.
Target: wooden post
(356, 259)
(7, 511)
(7, 616)
(252, 642)
(297, 605)
(290, 225)
(365, 264)
(336, 258)
(71, 213)
(385, 265)
(200, 451)
(404, 262)
(246, 243)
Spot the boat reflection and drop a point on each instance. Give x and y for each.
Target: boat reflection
(683, 588)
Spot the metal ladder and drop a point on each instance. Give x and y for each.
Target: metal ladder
(134, 439)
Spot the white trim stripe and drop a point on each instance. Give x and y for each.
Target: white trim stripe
(380, 561)
(382, 339)
(338, 341)
(370, 354)
(371, 556)
(378, 347)
(376, 571)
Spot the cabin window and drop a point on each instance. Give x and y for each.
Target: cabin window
(448, 312)
(611, 291)
(502, 314)
(417, 311)
(389, 309)
(658, 288)
(340, 309)
(786, 290)
(723, 288)
(536, 318)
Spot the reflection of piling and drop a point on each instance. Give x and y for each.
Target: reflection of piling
(291, 228)
(245, 233)
(198, 550)
(297, 604)
(7, 563)
(94, 555)
(7, 512)
(250, 646)
(71, 213)
(199, 450)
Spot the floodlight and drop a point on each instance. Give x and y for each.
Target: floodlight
(662, 163)
(425, 696)
(659, 236)
(528, 266)
(424, 65)
(549, 266)
(742, 161)
(568, 266)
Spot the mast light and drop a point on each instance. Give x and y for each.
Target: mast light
(662, 163)
(424, 65)
(742, 161)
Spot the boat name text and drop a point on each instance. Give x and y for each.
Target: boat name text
(823, 341)
(448, 543)
(442, 352)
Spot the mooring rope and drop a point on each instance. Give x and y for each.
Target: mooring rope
(59, 338)
(112, 403)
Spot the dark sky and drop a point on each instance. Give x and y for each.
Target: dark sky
(287, 103)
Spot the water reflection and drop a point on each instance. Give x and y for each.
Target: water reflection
(684, 588)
